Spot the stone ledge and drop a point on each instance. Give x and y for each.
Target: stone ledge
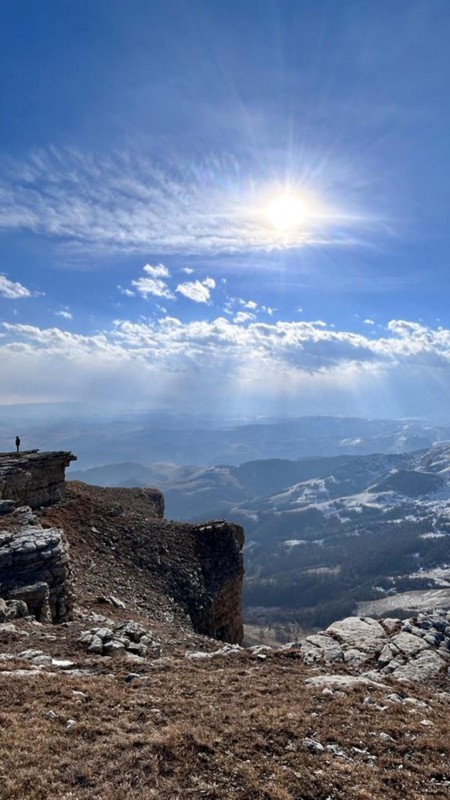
(35, 569)
(32, 478)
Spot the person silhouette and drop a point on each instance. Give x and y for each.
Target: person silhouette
(17, 445)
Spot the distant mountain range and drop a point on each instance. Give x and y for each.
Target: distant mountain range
(100, 436)
(322, 534)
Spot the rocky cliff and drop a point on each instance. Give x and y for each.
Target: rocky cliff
(125, 696)
(34, 570)
(194, 570)
(32, 478)
(218, 611)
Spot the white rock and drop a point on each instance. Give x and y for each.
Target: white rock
(363, 633)
(116, 602)
(385, 737)
(313, 746)
(356, 658)
(96, 646)
(388, 652)
(332, 650)
(343, 681)
(62, 663)
(311, 654)
(42, 661)
(391, 624)
(408, 644)
(8, 627)
(28, 655)
(104, 634)
(426, 665)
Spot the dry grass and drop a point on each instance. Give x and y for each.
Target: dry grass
(222, 729)
(226, 729)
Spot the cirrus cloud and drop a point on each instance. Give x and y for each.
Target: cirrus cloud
(124, 202)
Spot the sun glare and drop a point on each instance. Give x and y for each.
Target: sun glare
(286, 212)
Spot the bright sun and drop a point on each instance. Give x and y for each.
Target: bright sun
(286, 212)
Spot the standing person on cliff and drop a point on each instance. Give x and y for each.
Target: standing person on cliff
(17, 445)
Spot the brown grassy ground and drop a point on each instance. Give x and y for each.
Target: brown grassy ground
(224, 728)
(229, 728)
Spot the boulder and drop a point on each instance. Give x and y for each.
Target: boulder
(427, 664)
(408, 644)
(362, 633)
(331, 649)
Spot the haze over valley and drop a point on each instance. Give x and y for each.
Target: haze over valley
(358, 521)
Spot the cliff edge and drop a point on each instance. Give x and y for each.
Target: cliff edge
(119, 542)
(32, 478)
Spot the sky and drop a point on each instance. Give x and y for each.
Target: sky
(238, 205)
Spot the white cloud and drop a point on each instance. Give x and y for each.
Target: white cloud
(187, 270)
(198, 291)
(13, 290)
(64, 314)
(369, 322)
(306, 367)
(231, 303)
(210, 283)
(243, 316)
(248, 304)
(158, 271)
(126, 292)
(152, 286)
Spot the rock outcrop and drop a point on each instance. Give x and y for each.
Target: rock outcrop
(32, 478)
(124, 637)
(199, 567)
(217, 610)
(416, 649)
(35, 572)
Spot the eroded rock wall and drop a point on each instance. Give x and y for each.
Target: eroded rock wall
(213, 598)
(35, 569)
(32, 478)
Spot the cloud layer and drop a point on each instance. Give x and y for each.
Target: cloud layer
(296, 367)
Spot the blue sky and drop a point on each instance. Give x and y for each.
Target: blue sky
(144, 148)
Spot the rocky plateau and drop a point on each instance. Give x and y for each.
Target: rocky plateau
(124, 671)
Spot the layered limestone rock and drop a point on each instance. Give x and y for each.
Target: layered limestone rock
(35, 570)
(32, 478)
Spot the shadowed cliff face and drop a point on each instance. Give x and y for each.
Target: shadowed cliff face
(219, 551)
(120, 543)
